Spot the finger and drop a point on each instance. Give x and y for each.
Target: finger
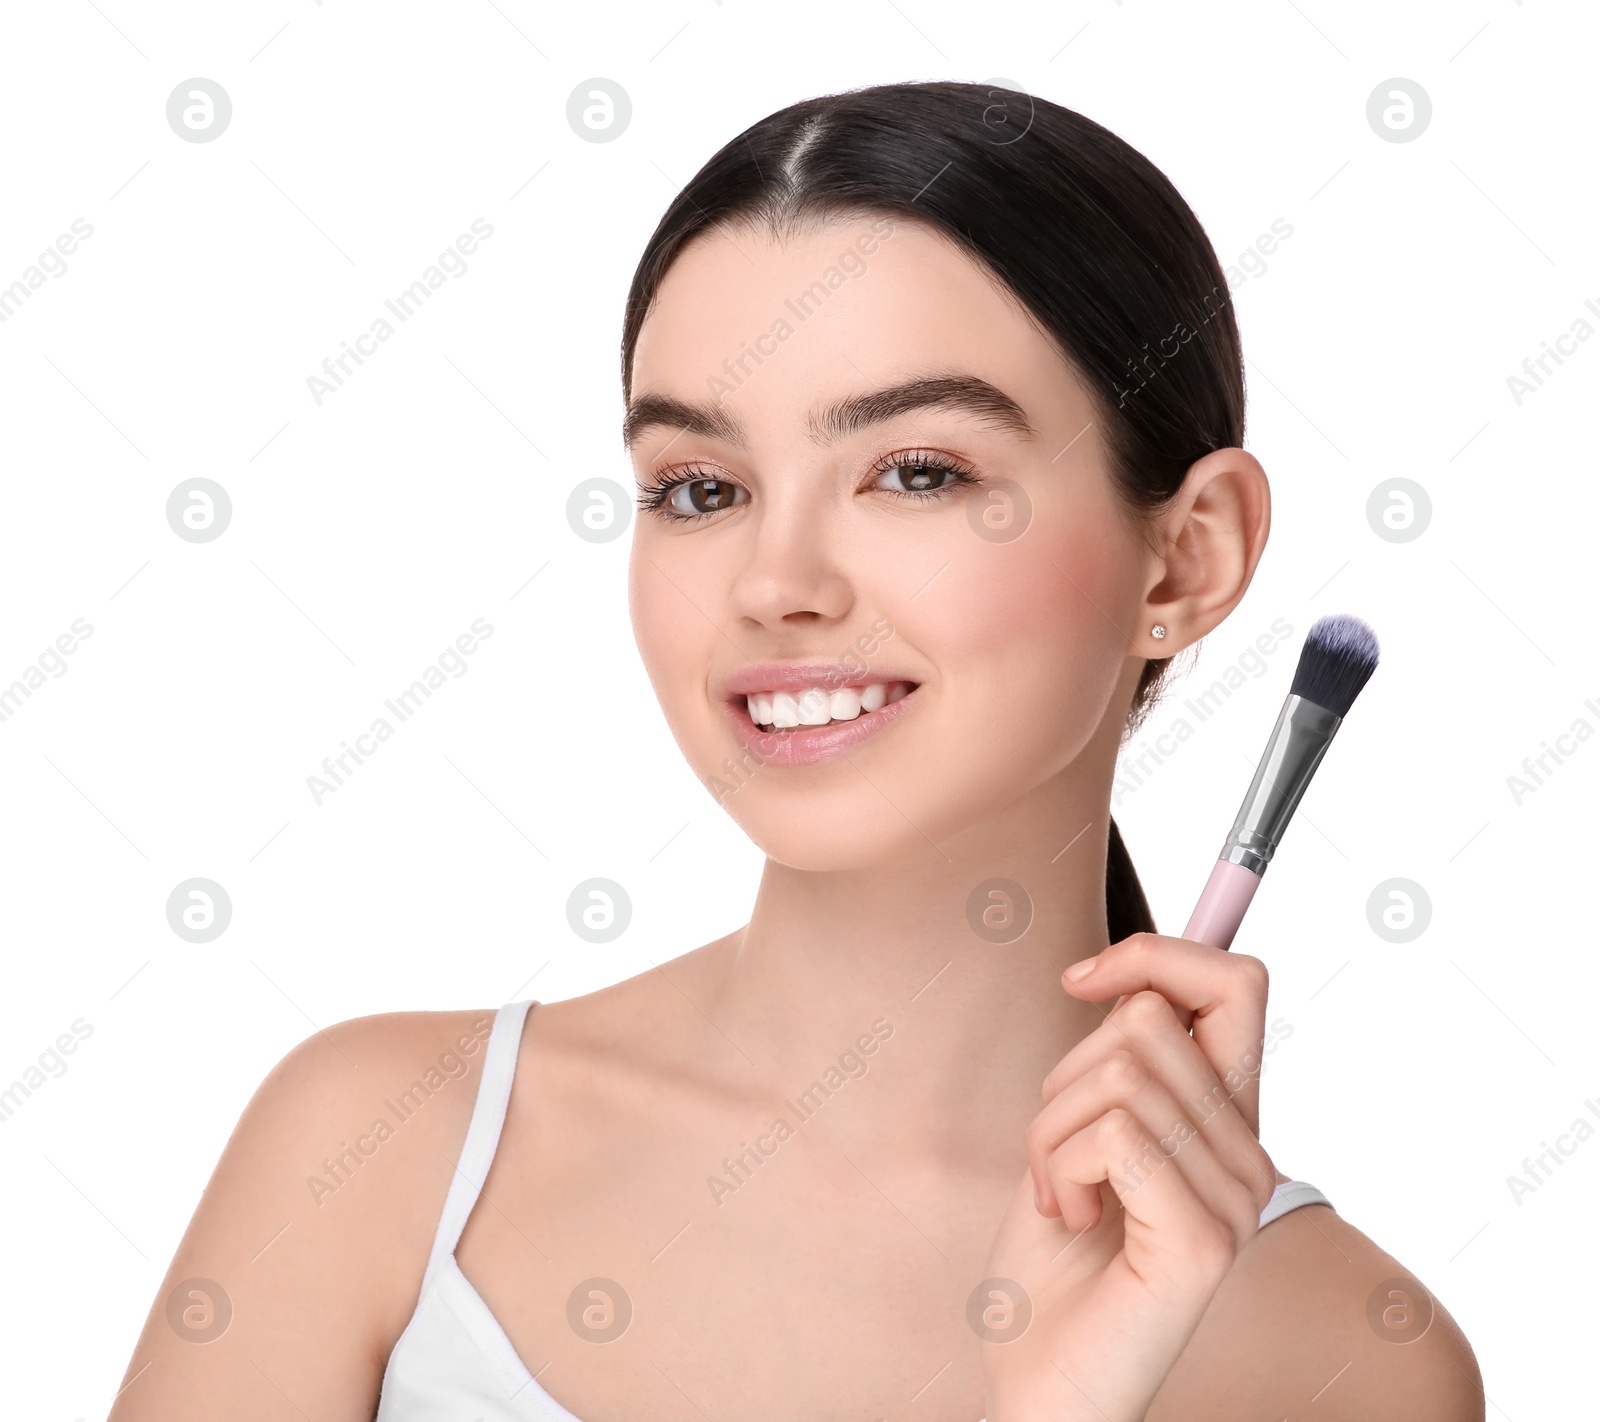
(1147, 1026)
(1168, 1230)
(1227, 993)
(1124, 1080)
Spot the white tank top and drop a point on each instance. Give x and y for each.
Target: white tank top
(454, 1362)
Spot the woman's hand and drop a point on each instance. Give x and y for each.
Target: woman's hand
(1145, 1179)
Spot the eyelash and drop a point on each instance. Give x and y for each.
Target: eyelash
(654, 495)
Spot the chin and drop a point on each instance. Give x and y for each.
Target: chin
(890, 797)
(819, 841)
(882, 815)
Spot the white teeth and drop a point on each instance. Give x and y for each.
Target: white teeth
(845, 705)
(817, 706)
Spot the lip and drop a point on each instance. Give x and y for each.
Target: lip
(797, 676)
(809, 745)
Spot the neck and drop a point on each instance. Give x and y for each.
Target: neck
(974, 1023)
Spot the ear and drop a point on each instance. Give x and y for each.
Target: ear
(1211, 537)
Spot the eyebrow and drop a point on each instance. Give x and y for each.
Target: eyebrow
(965, 393)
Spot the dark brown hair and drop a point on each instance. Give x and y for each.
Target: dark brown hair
(1084, 230)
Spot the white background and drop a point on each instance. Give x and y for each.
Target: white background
(369, 532)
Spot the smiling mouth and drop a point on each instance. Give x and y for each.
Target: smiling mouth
(815, 706)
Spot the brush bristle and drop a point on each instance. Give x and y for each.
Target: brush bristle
(1340, 653)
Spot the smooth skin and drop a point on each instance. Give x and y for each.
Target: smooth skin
(987, 1133)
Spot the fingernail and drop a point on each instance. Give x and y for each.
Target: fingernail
(1081, 969)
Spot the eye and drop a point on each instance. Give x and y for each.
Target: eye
(920, 475)
(691, 498)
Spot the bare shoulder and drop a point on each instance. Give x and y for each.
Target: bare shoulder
(638, 1032)
(1314, 1312)
(304, 1257)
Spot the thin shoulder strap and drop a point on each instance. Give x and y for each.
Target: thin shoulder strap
(1290, 1195)
(483, 1132)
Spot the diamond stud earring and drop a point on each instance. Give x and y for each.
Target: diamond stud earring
(1158, 631)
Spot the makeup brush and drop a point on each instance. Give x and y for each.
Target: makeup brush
(1340, 654)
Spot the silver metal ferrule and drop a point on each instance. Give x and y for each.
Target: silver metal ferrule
(1294, 750)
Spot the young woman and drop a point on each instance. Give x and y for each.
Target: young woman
(935, 402)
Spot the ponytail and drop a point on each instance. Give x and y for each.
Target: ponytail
(1127, 910)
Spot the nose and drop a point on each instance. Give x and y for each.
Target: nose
(791, 577)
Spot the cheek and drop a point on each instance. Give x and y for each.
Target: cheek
(1029, 652)
(674, 660)
(1044, 613)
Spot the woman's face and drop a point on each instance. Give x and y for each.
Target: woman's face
(873, 471)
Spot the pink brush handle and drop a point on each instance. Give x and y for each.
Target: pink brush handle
(1216, 918)
(1219, 913)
